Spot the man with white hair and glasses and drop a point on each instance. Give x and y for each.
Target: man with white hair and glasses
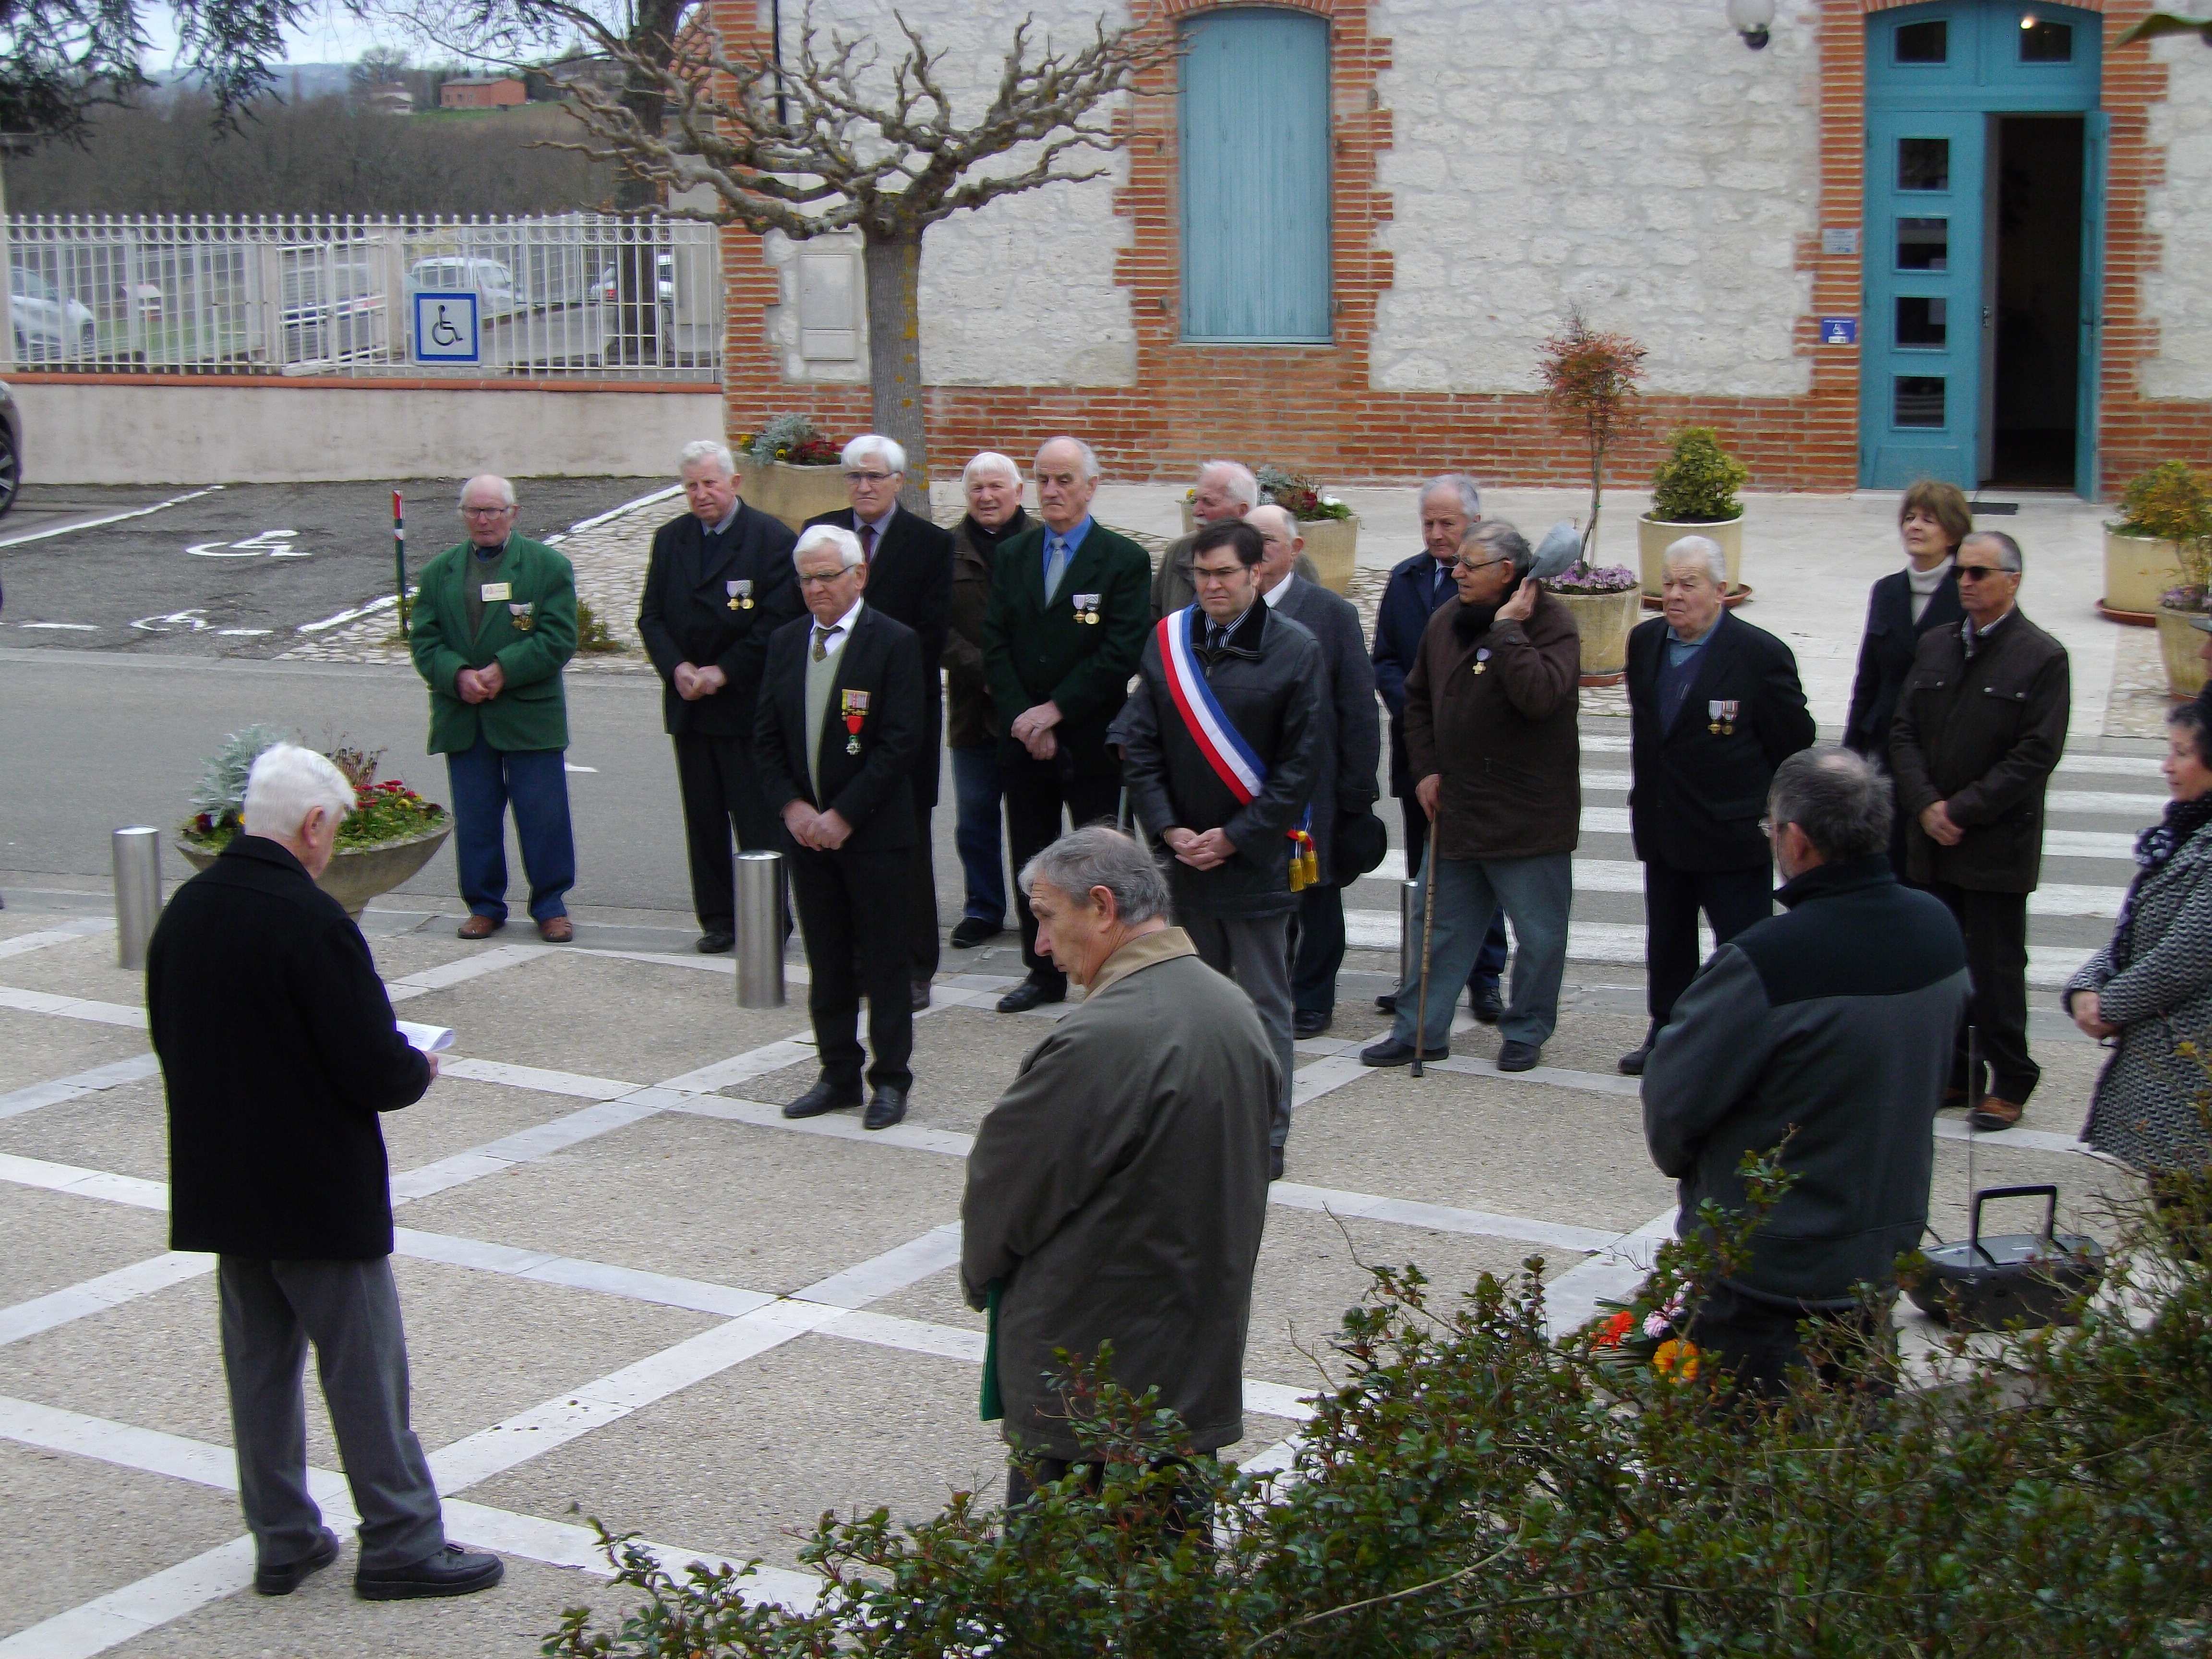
(992, 484)
(1225, 491)
(278, 1052)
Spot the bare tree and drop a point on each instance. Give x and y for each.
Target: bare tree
(833, 138)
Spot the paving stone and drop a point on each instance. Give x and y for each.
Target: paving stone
(40, 1048)
(59, 1239)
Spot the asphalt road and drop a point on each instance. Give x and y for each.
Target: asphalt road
(234, 570)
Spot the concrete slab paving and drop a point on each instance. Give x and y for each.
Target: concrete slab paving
(458, 1113)
(78, 968)
(59, 1239)
(40, 1047)
(432, 946)
(963, 1061)
(124, 1130)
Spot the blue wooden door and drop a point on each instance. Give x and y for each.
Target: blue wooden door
(1255, 177)
(2096, 143)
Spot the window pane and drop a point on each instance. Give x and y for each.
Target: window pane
(1924, 244)
(1924, 164)
(1923, 43)
(2046, 43)
(1921, 322)
(1919, 401)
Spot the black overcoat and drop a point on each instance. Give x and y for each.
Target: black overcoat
(1351, 742)
(1886, 656)
(684, 615)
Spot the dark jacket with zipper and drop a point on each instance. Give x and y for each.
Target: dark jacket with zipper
(1984, 735)
(1887, 654)
(1832, 1026)
(1410, 597)
(871, 790)
(684, 615)
(971, 719)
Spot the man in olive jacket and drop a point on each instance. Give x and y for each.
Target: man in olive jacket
(1117, 1192)
(1979, 729)
(493, 623)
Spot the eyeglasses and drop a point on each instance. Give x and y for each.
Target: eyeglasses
(1981, 573)
(1466, 563)
(484, 512)
(824, 580)
(869, 478)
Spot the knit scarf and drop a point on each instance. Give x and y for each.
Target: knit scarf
(1472, 622)
(2155, 847)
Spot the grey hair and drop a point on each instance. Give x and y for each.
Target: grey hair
(1098, 855)
(286, 784)
(989, 461)
(1469, 492)
(707, 449)
(2009, 556)
(1707, 552)
(1243, 486)
(506, 489)
(1840, 800)
(1502, 541)
(1084, 452)
(873, 443)
(1290, 519)
(829, 535)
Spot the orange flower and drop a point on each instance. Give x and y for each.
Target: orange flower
(1611, 1334)
(1675, 1357)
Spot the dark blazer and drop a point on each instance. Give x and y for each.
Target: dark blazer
(1351, 735)
(871, 790)
(1036, 653)
(684, 614)
(910, 582)
(1982, 736)
(1402, 617)
(277, 1051)
(1698, 794)
(1886, 656)
(971, 719)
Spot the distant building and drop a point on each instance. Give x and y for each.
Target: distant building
(481, 92)
(390, 98)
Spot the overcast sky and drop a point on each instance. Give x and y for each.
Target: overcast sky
(335, 36)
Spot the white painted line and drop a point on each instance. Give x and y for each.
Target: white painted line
(73, 628)
(532, 1077)
(114, 1076)
(95, 1296)
(1438, 1217)
(2145, 808)
(894, 1270)
(1614, 1275)
(45, 1002)
(83, 1184)
(2110, 766)
(744, 1068)
(541, 1267)
(355, 615)
(614, 512)
(242, 633)
(526, 1146)
(112, 518)
(125, 1614)
(459, 971)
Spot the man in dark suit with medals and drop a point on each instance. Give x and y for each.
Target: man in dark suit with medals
(1715, 706)
(840, 719)
(717, 583)
(909, 561)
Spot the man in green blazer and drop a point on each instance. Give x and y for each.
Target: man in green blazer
(493, 622)
(1069, 611)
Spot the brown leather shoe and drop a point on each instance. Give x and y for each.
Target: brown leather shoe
(1993, 1114)
(479, 926)
(556, 930)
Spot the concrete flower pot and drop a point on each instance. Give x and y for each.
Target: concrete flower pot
(2179, 643)
(1655, 536)
(792, 493)
(2138, 570)
(1604, 621)
(356, 874)
(1333, 546)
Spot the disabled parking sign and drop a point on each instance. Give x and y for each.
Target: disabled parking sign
(446, 328)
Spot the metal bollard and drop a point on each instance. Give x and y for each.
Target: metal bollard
(760, 930)
(1409, 916)
(138, 892)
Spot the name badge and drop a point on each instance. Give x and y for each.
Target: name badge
(741, 594)
(520, 614)
(1087, 607)
(1721, 718)
(496, 591)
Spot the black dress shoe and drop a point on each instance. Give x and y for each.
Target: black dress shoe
(284, 1577)
(1274, 1163)
(1391, 1051)
(452, 1572)
(1489, 1007)
(1029, 994)
(886, 1106)
(824, 1097)
(972, 932)
(921, 996)
(1519, 1056)
(1310, 1022)
(1632, 1063)
(1386, 1003)
(713, 944)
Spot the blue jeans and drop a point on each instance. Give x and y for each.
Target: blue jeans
(485, 780)
(975, 833)
(1535, 894)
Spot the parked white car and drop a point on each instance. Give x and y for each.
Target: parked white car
(47, 326)
(491, 282)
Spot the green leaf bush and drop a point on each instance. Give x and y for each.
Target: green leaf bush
(1697, 481)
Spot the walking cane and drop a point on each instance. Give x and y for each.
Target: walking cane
(1121, 812)
(1428, 933)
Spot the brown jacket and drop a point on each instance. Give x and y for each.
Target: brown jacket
(1504, 739)
(1981, 736)
(970, 717)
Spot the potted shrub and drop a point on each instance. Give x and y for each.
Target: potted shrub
(391, 833)
(1330, 528)
(1589, 387)
(1606, 603)
(790, 471)
(2159, 510)
(1694, 494)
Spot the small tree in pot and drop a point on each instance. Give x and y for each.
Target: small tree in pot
(1589, 385)
(1693, 494)
(2172, 504)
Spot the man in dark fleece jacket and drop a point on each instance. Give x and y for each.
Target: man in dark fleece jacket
(1831, 1024)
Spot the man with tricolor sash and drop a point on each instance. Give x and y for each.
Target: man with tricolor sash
(1221, 746)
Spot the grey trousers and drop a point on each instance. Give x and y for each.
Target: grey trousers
(1535, 894)
(351, 1311)
(1254, 952)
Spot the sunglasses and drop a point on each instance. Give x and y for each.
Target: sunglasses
(1981, 573)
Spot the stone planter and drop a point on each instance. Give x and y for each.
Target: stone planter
(792, 493)
(2138, 570)
(1655, 536)
(2179, 643)
(1604, 621)
(356, 874)
(1333, 546)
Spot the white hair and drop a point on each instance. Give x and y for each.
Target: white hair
(1469, 492)
(873, 443)
(506, 489)
(1290, 520)
(1088, 456)
(1243, 488)
(286, 784)
(1704, 551)
(829, 535)
(989, 461)
(707, 449)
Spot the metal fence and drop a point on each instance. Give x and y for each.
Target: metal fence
(593, 296)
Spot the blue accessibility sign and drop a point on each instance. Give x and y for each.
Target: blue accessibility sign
(1839, 330)
(446, 329)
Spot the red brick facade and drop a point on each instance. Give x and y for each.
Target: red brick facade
(1312, 407)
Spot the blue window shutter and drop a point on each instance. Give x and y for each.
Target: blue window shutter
(1255, 177)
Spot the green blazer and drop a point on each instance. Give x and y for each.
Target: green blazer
(1036, 653)
(531, 711)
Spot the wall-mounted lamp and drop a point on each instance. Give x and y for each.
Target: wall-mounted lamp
(1752, 19)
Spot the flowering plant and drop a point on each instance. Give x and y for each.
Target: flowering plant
(1594, 579)
(794, 439)
(383, 811)
(1645, 1332)
(1304, 498)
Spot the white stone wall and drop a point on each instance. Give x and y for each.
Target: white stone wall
(1632, 156)
(2178, 295)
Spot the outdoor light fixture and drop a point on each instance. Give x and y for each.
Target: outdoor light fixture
(1751, 19)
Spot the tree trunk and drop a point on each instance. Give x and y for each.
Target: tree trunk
(637, 265)
(894, 273)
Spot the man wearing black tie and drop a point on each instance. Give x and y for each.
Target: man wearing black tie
(1715, 706)
(909, 564)
(839, 721)
(717, 583)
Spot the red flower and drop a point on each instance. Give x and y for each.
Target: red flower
(1615, 1329)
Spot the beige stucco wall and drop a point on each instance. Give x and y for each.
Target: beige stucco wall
(2178, 291)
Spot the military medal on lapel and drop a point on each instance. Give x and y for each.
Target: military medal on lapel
(1087, 607)
(1481, 660)
(1722, 723)
(856, 710)
(524, 621)
(741, 595)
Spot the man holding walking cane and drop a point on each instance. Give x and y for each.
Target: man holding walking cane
(1490, 737)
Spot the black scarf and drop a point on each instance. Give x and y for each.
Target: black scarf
(987, 540)
(1472, 622)
(2154, 849)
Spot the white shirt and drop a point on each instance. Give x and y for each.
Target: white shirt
(840, 631)
(1274, 595)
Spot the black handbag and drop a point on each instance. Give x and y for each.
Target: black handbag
(2027, 1279)
(1357, 846)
